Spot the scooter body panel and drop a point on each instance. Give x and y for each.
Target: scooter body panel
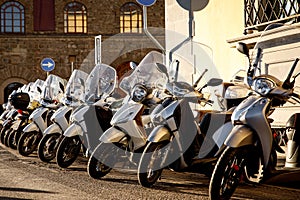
(240, 135)
(159, 134)
(73, 130)
(53, 128)
(31, 127)
(112, 135)
(59, 117)
(252, 113)
(126, 113)
(36, 116)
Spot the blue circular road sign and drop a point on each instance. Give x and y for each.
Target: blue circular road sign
(47, 64)
(146, 2)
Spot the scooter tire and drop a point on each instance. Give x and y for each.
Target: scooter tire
(2, 134)
(68, 151)
(28, 143)
(148, 178)
(102, 160)
(11, 142)
(47, 147)
(228, 172)
(6, 137)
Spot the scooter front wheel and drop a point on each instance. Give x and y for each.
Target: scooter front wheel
(11, 140)
(28, 143)
(48, 146)
(228, 172)
(2, 134)
(7, 137)
(150, 169)
(102, 160)
(68, 151)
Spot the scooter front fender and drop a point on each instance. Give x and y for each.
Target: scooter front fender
(240, 135)
(31, 127)
(53, 128)
(159, 134)
(73, 130)
(112, 135)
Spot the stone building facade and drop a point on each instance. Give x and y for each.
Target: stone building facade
(21, 51)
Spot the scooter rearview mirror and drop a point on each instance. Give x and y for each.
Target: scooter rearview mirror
(214, 82)
(242, 47)
(162, 68)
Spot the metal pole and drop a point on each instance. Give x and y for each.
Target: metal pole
(145, 27)
(72, 67)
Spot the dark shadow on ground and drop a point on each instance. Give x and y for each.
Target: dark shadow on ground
(24, 190)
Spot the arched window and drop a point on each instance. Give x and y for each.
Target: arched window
(75, 18)
(131, 18)
(12, 17)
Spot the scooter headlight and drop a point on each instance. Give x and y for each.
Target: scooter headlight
(263, 86)
(139, 93)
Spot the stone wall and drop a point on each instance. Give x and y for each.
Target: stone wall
(21, 54)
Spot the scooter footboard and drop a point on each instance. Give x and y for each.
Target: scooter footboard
(159, 134)
(240, 135)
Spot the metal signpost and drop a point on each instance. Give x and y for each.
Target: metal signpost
(98, 50)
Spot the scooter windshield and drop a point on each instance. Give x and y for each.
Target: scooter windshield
(36, 90)
(53, 88)
(100, 82)
(274, 49)
(75, 87)
(147, 73)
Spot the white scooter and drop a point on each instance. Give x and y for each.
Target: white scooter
(53, 90)
(22, 118)
(73, 97)
(90, 119)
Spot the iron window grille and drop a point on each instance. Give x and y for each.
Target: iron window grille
(131, 18)
(260, 13)
(75, 18)
(12, 17)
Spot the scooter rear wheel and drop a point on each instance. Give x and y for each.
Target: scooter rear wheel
(48, 147)
(150, 169)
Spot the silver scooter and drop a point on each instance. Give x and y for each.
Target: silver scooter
(73, 97)
(251, 149)
(90, 119)
(131, 123)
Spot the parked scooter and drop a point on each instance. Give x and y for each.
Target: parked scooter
(6, 108)
(132, 121)
(250, 147)
(73, 97)
(176, 140)
(53, 90)
(17, 105)
(89, 120)
(25, 108)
